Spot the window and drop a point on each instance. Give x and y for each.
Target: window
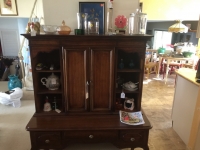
(161, 39)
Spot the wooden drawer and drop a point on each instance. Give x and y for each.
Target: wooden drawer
(133, 136)
(90, 135)
(133, 139)
(46, 139)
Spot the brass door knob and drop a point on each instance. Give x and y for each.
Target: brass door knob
(47, 141)
(91, 136)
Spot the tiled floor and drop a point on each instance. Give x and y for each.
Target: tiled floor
(157, 101)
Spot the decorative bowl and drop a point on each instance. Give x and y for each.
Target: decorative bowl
(63, 29)
(64, 32)
(187, 54)
(49, 29)
(161, 50)
(130, 86)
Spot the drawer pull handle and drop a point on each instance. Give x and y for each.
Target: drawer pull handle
(47, 141)
(91, 136)
(132, 139)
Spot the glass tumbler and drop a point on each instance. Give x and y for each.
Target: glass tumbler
(82, 21)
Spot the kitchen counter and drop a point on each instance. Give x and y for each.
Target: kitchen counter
(186, 107)
(188, 74)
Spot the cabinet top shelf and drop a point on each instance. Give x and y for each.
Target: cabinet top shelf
(141, 36)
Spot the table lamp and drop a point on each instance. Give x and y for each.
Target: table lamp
(178, 27)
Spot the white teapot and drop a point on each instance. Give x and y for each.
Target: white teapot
(52, 82)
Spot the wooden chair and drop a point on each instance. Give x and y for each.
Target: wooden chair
(150, 66)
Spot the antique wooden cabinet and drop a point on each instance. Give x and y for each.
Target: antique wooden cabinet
(91, 71)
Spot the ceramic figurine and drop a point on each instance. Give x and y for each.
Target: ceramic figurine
(47, 105)
(129, 104)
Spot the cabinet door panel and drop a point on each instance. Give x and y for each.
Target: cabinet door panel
(101, 76)
(75, 79)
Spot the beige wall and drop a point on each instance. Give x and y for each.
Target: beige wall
(171, 9)
(53, 12)
(56, 11)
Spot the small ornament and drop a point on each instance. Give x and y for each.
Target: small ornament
(121, 24)
(47, 105)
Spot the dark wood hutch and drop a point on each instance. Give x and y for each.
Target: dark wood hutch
(89, 92)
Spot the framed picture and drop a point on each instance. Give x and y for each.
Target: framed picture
(8, 8)
(94, 10)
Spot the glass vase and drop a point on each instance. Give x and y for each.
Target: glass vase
(14, 82)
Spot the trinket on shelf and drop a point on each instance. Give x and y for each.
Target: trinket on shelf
(129, 104)
(47, 105)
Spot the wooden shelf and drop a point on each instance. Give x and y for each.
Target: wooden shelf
(125, 91)
(128, 70)
(48, 70)
(46, 91)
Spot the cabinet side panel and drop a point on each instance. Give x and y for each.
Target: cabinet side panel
(183, 107)
(101, 76)
(76, 79)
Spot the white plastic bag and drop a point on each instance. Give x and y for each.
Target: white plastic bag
(11, 97)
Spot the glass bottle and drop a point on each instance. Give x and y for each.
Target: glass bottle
(131, 24)
(121, 64)
(54, 104)
(136, 24)
(109, 17)
(131, 64)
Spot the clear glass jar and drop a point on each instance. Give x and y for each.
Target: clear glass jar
(140, 23)
(131, 24)
(93, 26)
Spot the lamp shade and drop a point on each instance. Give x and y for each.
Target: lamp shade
(178, 27)
(198, 29)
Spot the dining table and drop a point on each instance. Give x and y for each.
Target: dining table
(170, 59)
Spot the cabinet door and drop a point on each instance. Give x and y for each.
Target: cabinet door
(101, 78)
(75, 79)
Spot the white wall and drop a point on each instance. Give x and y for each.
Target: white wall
(25, 8)
(22, 24)
(57, 11)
